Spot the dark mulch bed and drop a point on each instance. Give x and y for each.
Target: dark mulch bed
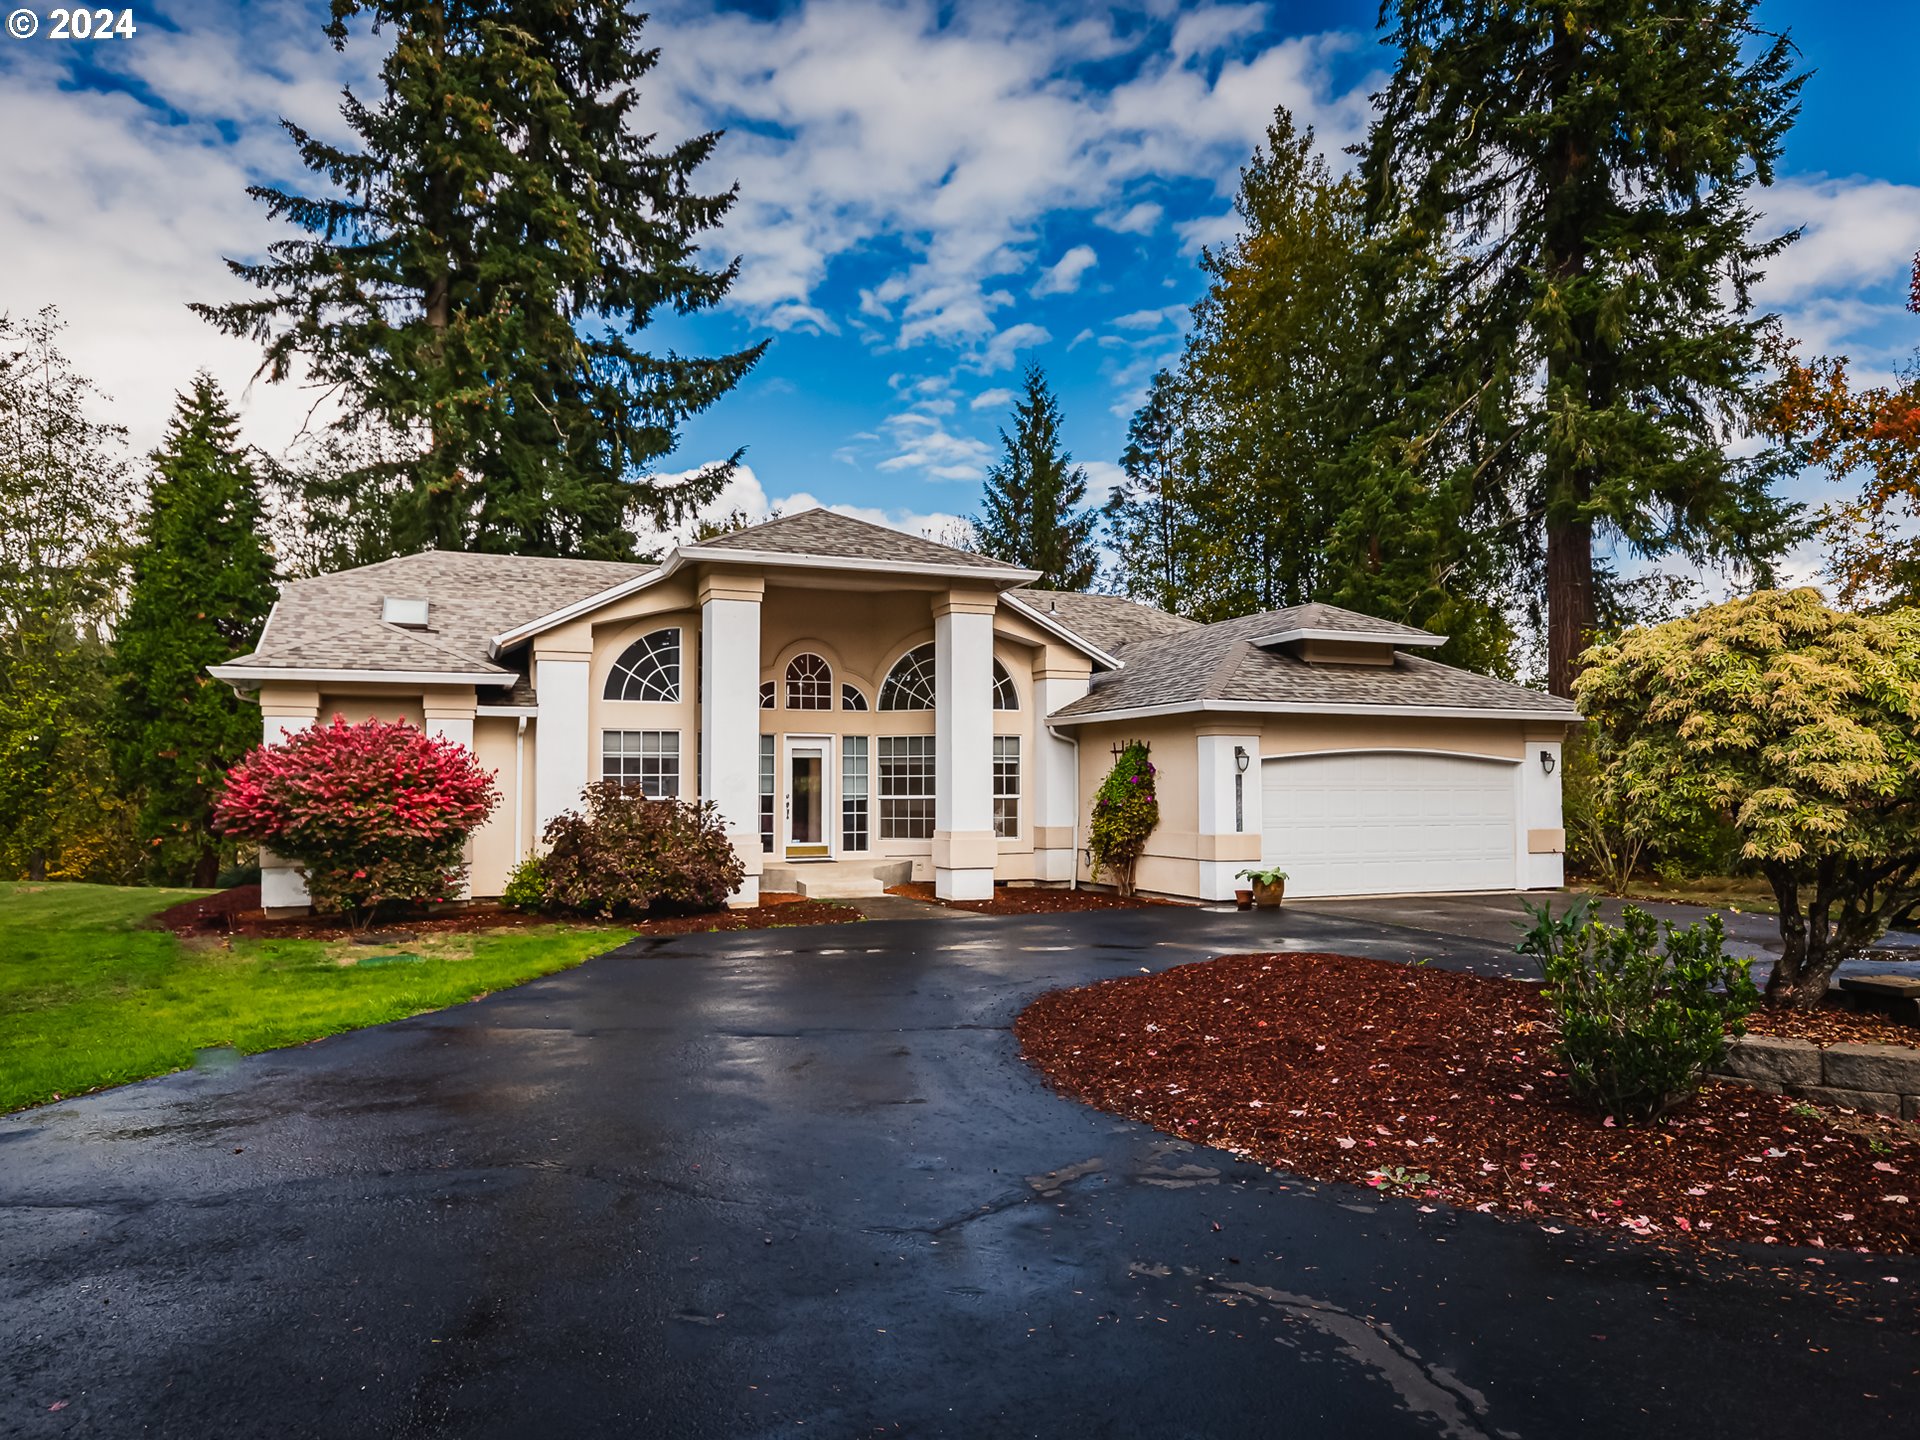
(1344, 1069)
(1031, 900)
(237, 912)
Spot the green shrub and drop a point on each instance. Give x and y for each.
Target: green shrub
(527, 886)
(1125, 810)
(628, 854)
(1638, 1028)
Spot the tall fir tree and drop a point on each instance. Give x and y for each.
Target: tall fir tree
(202, 584)
(1034, 511)
(474, 278)
(1589, 164)
(1149, 516)
(65, 499)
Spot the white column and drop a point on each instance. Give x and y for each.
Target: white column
(282, 714)
(1229, 818)
(964, 849)
(562, 744)
(1056, 778)
(730, 715)
(1542, 841)
(450, 716)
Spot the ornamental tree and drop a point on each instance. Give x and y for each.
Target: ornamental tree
(1125, 810)
(373, 814)
(1799, 725)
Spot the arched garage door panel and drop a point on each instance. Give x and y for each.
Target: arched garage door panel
(1380, 823)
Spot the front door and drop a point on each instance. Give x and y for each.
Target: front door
(807, 780)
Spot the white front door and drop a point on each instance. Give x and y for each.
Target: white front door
(1389, 823)
(809, 813)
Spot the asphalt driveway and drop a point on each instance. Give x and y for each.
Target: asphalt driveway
(799, 1182)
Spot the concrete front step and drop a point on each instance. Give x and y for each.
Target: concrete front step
(837, 879)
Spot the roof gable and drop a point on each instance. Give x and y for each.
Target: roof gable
(827, 534)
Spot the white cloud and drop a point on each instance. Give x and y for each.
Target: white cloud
(1150, 319)
(922, 442)
(1063, 276)
(946, 134)
(991, 399)
(1204, 231)
(1103, 477)
(1858, 232)
(1005, 348)
(1140, 218)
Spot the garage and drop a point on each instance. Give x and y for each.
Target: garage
(1389, 822)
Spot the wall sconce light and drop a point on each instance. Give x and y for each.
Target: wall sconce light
(1546, 761)
(1241, 759)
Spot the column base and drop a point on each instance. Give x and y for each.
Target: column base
(970, 884)
(747, 896)
(282, 888)
(1220, 878)
(1054, 867)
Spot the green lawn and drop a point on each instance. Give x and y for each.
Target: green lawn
(89, 999)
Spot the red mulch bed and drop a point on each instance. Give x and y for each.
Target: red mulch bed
(237, 912)
(1338, 1068)
(1833, 1024)
(1031, 900)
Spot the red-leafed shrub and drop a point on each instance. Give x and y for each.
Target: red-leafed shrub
(374, 813)
(628, 854)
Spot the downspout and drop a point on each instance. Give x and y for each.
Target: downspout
(519, 790)
(1073, 883)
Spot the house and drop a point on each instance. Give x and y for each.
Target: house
(865, 707)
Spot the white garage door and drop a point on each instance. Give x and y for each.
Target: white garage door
(1381, 823)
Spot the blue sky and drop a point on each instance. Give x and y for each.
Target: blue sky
(931, 197)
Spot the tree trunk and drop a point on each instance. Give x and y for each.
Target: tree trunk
(206, 868)
(1569, 600)
(1808, 958)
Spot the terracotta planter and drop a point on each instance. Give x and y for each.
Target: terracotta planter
(1243, 899)
(1267, 897)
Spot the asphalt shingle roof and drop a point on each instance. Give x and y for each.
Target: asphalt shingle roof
(835, 536)
(1220, 662)
(1111, 622)
(332, 622)
(1348, 622)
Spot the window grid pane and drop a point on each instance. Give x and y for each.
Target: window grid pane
(854, 833)
(909, 685)
(766, 794)
(851, 698)
(646, 760)
(766, 695)
(906, 787)
(809, 683)
(648, 669)
(1005, 697)
(1006, 786)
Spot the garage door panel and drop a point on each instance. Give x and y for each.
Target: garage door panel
(1380, 823)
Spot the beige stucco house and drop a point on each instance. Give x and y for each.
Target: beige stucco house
(865, 707)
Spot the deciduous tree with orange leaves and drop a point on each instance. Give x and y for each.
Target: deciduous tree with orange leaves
(1873, 540)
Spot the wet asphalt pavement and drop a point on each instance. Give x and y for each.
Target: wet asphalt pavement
(799, 1182)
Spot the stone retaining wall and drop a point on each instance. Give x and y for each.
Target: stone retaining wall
(1882, 1079)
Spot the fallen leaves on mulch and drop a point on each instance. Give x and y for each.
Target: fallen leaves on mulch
(1031, 900)
(237, 912)
(1832, 1024)
(1440, 1086)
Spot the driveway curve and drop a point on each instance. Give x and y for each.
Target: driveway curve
(800, 1182)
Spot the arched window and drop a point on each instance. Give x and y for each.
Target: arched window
(809, 683)
(649, 669)
(909, 685)
(851, 698)
(1005, 697)
(766, 694)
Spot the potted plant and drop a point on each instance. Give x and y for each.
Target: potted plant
(1242, 898)
(1269, 885)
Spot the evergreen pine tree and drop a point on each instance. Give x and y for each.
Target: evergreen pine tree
(1034, 509)
(1588, 164)
(1149, 516)
(474, 278)
(202, 585)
